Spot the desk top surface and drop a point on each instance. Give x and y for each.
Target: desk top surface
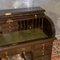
(21, 36)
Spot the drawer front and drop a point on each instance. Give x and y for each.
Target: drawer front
(13, 50)
(37, 53)
(41, 49)
(46, 57)
(48, 47)
(9, 26)
(37, 49)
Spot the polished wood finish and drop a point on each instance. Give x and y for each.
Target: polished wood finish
(27, 19)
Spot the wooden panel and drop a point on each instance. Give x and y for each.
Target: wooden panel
(48, 47)
(46, 57)
(42, 48)
(9, 27)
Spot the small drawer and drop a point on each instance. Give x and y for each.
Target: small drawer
(37, 46)
(48, 44)
(46, 57)
(38, 49)
(38, 58)
(48, 48)
(7, 27)
(37, 53)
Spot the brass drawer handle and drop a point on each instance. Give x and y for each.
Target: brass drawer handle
(9, 26)
(43, 46)
(7, 14)
(9, 21)
(35, 15)
(42, 52)
(6, 53)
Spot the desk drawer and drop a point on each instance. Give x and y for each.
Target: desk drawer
(46, 57)
(9, 26)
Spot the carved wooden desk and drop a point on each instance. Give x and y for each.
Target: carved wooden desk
(26, 34)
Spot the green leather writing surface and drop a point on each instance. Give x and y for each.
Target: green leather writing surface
(21, 36)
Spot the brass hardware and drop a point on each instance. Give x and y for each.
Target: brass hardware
(9, 26)
(6, 54)
(42, 52)
(3, 58)
(30, 27)
(9, 21)
(23, 49)
(18, 57)
(35, 16)
(43, 49)
(8, 14)
(43, 46)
